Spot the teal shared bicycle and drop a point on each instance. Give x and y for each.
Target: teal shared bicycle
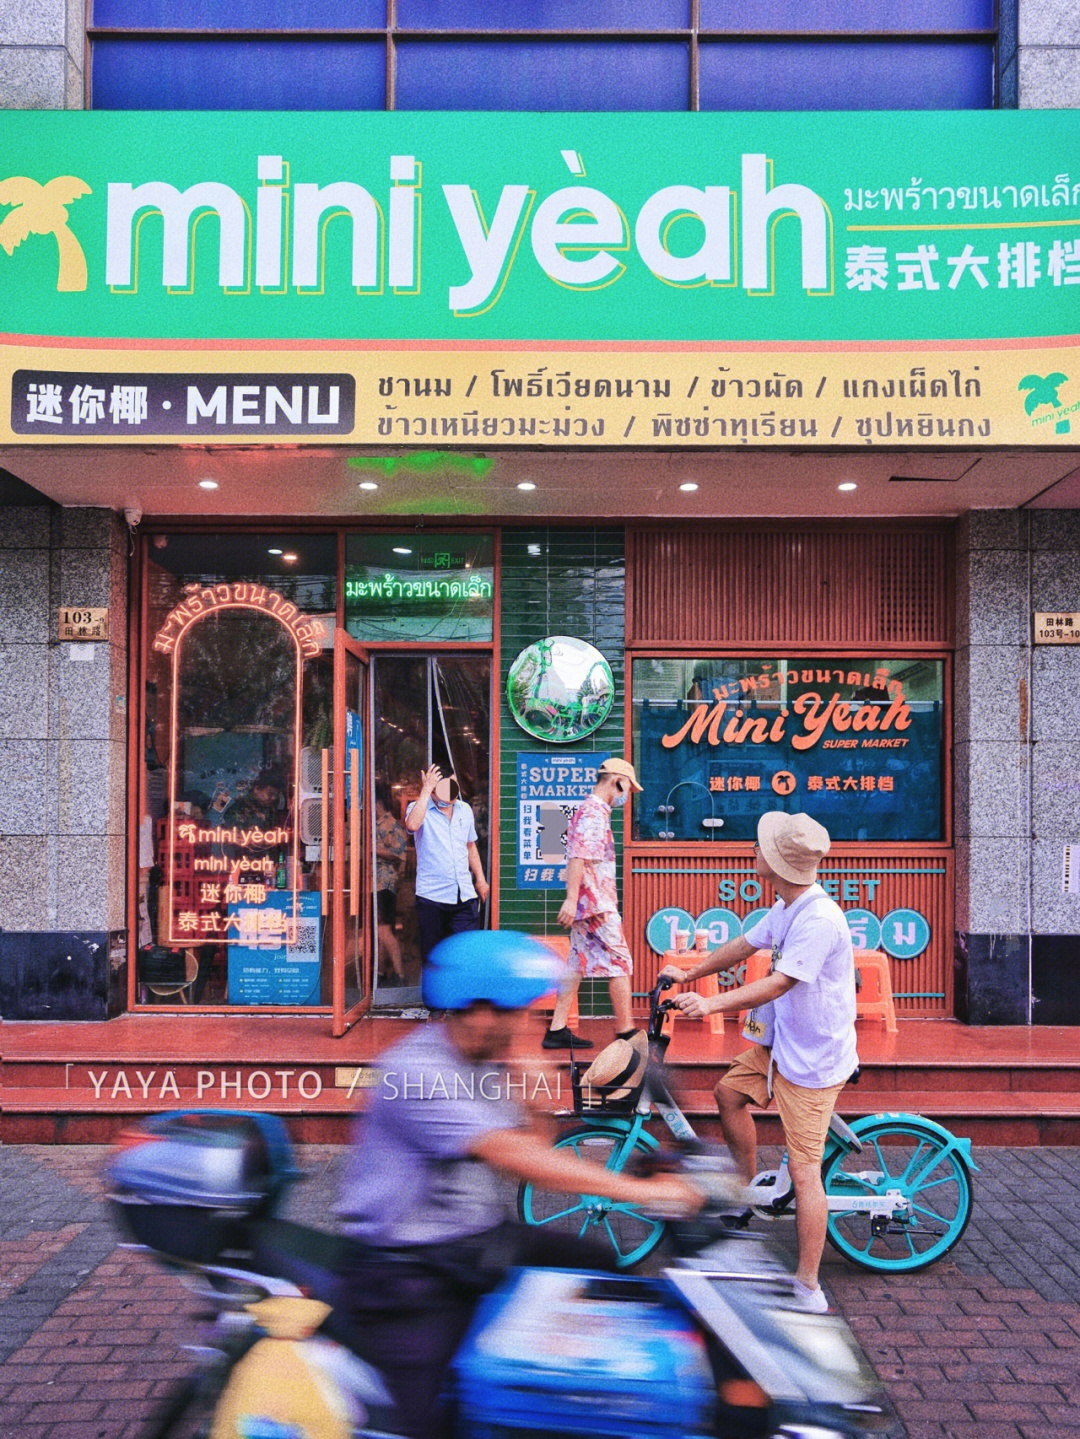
(898, 1186)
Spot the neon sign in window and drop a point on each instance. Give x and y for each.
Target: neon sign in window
(236, 653)
(419, 586)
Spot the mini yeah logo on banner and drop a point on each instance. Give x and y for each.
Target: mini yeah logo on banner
(42, 210)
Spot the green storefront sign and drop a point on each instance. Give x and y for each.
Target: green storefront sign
(693, 278)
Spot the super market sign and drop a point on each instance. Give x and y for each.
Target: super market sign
(638, 279)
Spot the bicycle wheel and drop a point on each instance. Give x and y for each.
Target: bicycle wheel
(934, 1184)
(632, 1234)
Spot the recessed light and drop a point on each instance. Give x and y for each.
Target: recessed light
(526, 485)
(688, 488)
(275, 552)
(208, 484)
(847, 485)
(368, 485)
(533, 549)
(289, 558)
(402, 550)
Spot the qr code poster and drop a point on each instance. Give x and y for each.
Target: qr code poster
(269, 972)
(550, 788)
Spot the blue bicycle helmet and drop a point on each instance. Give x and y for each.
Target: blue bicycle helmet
(506, 969)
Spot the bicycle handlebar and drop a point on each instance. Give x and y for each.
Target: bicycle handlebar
(657, 1007)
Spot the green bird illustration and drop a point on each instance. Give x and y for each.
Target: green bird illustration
(1043, 391)
(41, 210)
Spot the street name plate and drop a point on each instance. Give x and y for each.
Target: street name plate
(1057, 627)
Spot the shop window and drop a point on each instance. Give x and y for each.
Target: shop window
(546, 55)
(238, 687)
(242, 14)
(565, 15)
(420, 587)
(856, 742)
(835, 16)
(217, 73)
(520, 74)
(801, 74)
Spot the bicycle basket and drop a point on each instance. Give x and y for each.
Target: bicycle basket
(613, 1081)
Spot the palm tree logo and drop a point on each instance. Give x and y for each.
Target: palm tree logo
(1044, 391)
(42, 210)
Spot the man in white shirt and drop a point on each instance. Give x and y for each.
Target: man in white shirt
(802, 1026)
(450, 884)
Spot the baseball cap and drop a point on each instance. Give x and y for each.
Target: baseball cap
(623, 768)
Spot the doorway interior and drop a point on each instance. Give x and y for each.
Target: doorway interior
(427, 708)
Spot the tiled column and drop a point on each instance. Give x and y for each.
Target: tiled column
(42, 54)
(1016, 769)
(62, 764)
(1048, 55)
(990, 768)
(1055, 718)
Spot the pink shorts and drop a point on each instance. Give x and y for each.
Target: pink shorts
(598, 947)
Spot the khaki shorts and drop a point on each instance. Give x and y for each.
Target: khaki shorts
(804, 1113)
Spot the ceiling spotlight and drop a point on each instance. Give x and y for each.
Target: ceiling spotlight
(289, 558)
(368, 485)
(208, 484)
(847, 485)
(402, 550)
(533, 549)
(526, 485)
(275, 552)
(688, 488)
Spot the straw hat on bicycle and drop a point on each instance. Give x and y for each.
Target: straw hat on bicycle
(619, 1069)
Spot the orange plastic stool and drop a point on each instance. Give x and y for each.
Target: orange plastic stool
(875, 998)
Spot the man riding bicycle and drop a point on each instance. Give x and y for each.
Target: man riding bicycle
(422, 1199)
(801, 1024)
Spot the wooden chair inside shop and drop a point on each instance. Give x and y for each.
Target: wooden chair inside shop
(182, 987)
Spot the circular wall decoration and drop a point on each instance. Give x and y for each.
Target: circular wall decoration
(560, 689)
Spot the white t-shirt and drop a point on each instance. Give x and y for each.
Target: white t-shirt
(814, 1036)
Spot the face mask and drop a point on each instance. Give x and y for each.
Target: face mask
(621, 796)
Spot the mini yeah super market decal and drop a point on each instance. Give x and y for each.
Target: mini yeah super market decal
(514, 279)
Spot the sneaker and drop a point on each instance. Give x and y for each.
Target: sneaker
(812, 1301)
(564, 1038)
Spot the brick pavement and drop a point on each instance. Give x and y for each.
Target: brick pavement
(984, 1345)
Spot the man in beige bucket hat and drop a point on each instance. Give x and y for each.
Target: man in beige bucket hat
(801, 1025)
(598, 948)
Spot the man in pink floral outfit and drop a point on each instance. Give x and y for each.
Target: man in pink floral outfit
(598, 948)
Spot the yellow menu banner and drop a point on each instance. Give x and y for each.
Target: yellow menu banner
(664, 395)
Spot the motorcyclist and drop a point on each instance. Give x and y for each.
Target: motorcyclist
(422, 1198)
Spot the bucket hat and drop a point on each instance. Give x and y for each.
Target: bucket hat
(624, 769)
(793, 845)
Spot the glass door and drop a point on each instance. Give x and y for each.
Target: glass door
(431, 709)
(346, 895)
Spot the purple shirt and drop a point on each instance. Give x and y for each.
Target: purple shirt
(410, 1178)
